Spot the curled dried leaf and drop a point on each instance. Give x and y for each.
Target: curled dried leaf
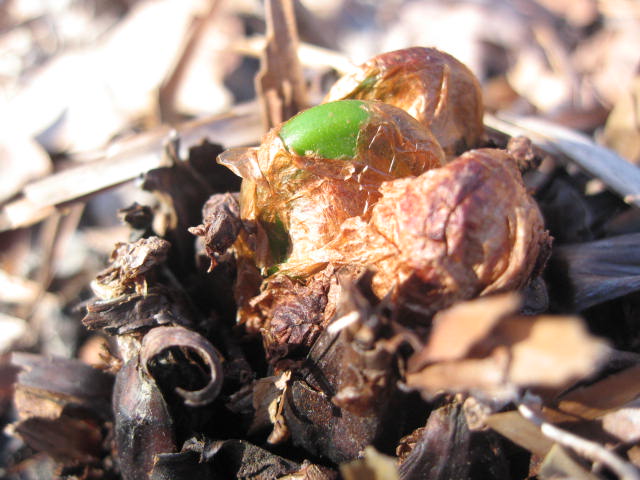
(221, 225)
(163, 338)
(130, 263)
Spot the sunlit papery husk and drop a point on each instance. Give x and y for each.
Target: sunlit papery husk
(299, 202)
(463, 230)
(432, 86)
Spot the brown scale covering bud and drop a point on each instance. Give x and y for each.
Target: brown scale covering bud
(467, 229)
(432, 86)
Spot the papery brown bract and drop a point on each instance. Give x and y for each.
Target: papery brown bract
(299, 202)
(467, 229)
(432, 86)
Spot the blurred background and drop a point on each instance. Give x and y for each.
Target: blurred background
(80, 78)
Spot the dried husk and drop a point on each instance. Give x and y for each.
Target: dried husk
(432, 86)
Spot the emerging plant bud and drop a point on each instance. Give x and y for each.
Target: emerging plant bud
(321, 167)
(432, 86)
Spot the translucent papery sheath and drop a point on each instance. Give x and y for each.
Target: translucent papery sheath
(466, 229)
(303, 182)
(432, 86)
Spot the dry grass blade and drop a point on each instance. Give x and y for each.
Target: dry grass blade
(310, 55)
(618, 174)
(125, 161)
(599, 271)
(167, 92)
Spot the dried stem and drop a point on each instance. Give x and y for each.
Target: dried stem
(586, 448)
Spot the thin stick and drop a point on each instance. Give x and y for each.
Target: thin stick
(280, 83)
(586, 448)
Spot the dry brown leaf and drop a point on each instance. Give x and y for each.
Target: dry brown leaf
(457, 329)
(485, 375)
(503, 354)
(610, 393)
(549, 351)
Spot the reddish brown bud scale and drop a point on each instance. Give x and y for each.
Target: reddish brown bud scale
(432, 86)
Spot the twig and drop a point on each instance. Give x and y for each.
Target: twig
(586, 448)
(280, 83)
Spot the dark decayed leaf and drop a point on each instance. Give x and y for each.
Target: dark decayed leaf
(63, 406)
(289, 313)
(240, 459)
(129, 313)
(220, 225)
(447, 449)
(182, 189)
(595, 272)
(143, 425)
(183, 465)
(343, 398)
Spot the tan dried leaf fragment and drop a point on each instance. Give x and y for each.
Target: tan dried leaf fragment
(515, 352)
